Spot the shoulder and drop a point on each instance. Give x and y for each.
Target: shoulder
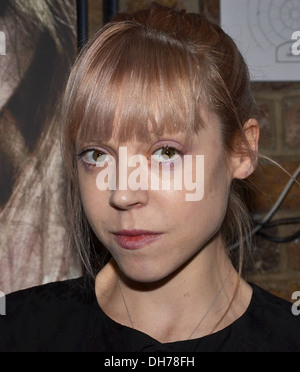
(273, 324)
(48, 295)
(274, 306)
(37, 316)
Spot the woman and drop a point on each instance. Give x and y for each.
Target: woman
(41, 46)
(157, 88)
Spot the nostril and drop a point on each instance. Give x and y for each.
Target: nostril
(123, 200)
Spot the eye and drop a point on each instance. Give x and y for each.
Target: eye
(166, 154)
(94, 158)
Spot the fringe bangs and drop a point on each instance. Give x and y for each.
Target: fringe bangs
(135, 89)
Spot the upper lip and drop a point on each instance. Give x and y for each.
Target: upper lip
(135, 232)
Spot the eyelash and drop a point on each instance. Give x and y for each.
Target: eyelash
(84, 152)
(176, 157)
(163, 163)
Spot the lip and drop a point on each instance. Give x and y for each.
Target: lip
(135, 239)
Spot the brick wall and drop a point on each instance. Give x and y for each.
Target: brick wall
(275, 267)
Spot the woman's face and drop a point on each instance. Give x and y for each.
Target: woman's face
(176, 228)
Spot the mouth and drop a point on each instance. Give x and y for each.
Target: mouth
(135, 239)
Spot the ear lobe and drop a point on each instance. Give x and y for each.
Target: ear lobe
(245, 162)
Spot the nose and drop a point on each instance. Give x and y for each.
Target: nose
(128, 199)
(128, 193)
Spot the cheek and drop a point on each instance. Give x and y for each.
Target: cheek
(207, 214)
(217, 189)
(92, 199)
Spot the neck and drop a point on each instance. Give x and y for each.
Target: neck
(170, 303)
(201, 276)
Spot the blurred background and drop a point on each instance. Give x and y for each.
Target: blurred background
(29, 98)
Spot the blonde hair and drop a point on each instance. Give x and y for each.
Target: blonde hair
(159, 61)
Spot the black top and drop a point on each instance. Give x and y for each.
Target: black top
(65, 316)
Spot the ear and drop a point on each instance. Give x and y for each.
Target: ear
(244, 161)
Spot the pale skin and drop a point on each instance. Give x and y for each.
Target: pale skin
(170, 283)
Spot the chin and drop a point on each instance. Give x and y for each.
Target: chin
(147, 273)
(149, 277)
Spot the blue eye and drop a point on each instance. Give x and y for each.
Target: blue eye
(166, 154)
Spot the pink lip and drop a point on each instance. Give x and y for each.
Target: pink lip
(135, 239)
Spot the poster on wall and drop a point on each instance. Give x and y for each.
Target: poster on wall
(134, 5)
(268, 35)
(38, 42)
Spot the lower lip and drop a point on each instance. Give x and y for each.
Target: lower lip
(136, 242)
